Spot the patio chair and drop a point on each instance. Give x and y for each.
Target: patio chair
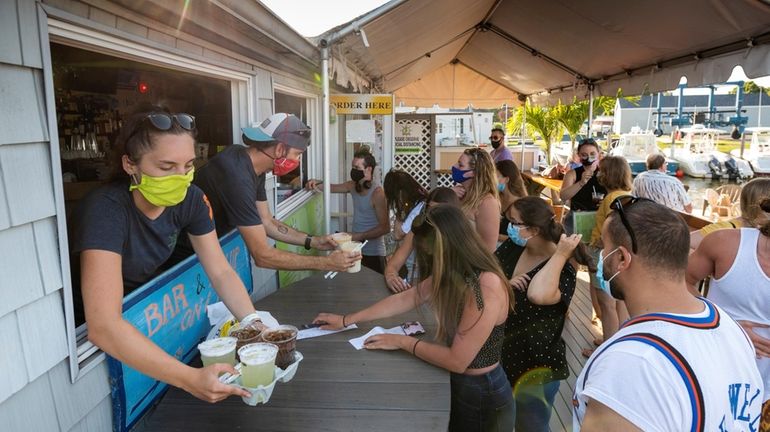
(721, 201)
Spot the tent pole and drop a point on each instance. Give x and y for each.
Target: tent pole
(326, 145)
(590, 107)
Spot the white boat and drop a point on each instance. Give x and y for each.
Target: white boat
(698, 156)
(758, 153)
(636, 146)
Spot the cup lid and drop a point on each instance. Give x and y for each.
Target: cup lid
(218, 346)
(257, 353)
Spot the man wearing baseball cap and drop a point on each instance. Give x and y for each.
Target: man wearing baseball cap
(234, 182)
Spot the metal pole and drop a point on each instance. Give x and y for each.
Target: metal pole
(590, 108)
(327, 191)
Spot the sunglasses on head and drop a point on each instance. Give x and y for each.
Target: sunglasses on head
(587, 141)
(164, 121)
(621, 205)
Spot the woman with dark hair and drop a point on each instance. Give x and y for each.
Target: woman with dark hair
(405, 198)
(510, 185)
(541, 263)
(476, 180)
(581, 186)
(370, 209)
(127, 229)
(471, 300)
(405, 252)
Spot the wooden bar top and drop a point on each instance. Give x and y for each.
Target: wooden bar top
(336, 388)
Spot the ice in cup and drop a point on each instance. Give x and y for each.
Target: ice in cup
(245, 336)
(350, 247)
(285, 338)
(219, 350)
(258, 364)
(342, 238)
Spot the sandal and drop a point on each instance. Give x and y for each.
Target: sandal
(598, 341)
(587, 352)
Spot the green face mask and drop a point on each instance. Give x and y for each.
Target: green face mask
(164, 191)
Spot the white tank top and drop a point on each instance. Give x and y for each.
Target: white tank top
(744, 292)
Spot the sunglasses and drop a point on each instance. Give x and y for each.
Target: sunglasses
(164, 122)
(621, 205)
(587, 141)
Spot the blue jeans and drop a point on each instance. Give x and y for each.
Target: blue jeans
(482, 403)
(534, 404)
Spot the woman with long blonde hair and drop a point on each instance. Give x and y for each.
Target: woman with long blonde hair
(471, 298)
(476, 180)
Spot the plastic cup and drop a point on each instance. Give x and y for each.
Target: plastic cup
(342, 238)
(258, 364)
(285, 338)
(219, 350)
(245, 336)
(350, 247)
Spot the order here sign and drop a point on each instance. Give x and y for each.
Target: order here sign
(362, 103)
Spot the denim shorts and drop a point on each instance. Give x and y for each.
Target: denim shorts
(482, 403)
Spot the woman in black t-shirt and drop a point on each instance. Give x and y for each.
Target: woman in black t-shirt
(581, 186)
(538, 259)
(128, 229)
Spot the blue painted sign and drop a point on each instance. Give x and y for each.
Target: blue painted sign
(171, 311)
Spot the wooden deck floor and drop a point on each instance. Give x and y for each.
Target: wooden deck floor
(578, 333)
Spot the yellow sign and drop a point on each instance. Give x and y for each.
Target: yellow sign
(362, 103)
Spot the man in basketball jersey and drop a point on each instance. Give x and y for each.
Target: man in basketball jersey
(680, 363)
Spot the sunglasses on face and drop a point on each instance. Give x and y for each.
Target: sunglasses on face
(621, 205)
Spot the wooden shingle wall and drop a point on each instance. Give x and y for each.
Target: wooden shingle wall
(36, 393)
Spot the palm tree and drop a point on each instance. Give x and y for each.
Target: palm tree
(571, 117)
(543, 121)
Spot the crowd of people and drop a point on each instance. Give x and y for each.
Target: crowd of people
(498, 269)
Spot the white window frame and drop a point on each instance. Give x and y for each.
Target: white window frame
(83, 355)
(314, 151)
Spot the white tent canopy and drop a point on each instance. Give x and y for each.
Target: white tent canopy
(551, 50)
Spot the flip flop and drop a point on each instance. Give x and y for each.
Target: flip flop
(587, 352)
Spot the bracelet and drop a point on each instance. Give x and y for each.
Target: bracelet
(414, 347)
(308, 239)
(343, 320)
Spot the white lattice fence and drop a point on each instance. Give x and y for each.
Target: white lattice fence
(444, 179)
(417, 163)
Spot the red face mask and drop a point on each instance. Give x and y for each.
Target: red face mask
(283, 166)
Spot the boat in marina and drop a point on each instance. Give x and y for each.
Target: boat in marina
(758, 153)
(698, 156)
(636, 146)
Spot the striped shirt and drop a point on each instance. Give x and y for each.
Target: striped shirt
(661, 188)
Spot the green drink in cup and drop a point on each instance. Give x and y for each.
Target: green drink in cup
(258, 364)
(219, 350)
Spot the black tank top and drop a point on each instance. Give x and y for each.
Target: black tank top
(491, 351)
(582, 201)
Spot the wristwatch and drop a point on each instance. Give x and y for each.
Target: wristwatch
(308, 239)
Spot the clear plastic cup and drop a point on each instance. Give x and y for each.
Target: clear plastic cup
(285, 338)
(219, 350)
(350, 247)
(258, 364)
(342, 238)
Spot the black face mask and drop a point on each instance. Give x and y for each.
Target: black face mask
(356, 175)
(496, 144)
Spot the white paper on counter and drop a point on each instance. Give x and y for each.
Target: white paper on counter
(316, 332)
(358, 343)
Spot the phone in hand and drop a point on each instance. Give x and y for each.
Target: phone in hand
(412, 328)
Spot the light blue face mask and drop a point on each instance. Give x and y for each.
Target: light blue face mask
(500, 187)
(514, 232)
(604, 284)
